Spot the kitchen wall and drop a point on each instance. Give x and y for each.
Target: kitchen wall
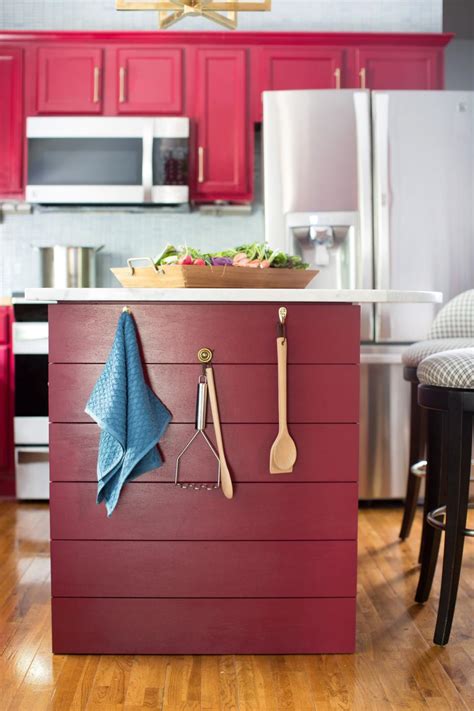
(349, 15)
(459, 65)
(146, 233)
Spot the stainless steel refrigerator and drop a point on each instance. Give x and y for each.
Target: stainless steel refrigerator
(377, 190)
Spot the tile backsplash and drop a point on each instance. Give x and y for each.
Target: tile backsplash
(123, 234)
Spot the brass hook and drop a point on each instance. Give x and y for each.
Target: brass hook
(126, 310)
(282, 314)
(205, 355)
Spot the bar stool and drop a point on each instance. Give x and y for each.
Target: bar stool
(452, 328)
(446, 390)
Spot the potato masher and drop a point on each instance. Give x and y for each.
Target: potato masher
(205, 356)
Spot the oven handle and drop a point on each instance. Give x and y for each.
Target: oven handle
(36, 455)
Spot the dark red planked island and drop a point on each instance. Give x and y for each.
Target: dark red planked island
(179, 571)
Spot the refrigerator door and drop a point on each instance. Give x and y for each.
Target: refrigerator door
(423, 146)
(317, 167)
(384, 423)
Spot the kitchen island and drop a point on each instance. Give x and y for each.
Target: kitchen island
(178, 571)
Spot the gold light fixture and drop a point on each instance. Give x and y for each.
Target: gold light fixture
(224, 12)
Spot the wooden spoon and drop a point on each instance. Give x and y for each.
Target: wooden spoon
(226, 480)
(283, 452)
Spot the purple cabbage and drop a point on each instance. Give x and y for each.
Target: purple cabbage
(222, 262)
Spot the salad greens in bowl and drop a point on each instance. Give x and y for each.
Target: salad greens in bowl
(256, 256)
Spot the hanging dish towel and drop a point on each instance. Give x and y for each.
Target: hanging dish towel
(131, 417)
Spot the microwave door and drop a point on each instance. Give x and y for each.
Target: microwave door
(86, 160)
(170, 159)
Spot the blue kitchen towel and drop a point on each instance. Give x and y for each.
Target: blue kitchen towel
(131, 417)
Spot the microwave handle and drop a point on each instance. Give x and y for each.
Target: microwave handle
(147, 161)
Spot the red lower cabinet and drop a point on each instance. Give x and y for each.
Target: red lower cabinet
(7, 482)
(177, 571)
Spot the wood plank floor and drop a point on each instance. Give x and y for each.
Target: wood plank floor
(396, 665)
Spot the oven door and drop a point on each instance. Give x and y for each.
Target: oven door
(86, 160)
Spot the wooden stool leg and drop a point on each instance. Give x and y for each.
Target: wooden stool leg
(431, 536)
(459, 442)
(416, 453)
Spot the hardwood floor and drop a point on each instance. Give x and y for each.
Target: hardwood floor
(396, 665)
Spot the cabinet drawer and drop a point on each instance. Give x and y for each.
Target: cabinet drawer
(239, 333)
(203, 569)
(247, 393)
(205, 626)
(325, 453)
(165, 512)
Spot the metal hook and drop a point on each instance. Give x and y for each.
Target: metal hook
(126, 310)
(282, 314)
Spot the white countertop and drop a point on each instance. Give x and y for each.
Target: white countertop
(353, 296)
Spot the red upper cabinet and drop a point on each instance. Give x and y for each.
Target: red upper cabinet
(150, 81)
(69, 80)
(399, 68)
(293, 68)
(222, 164)
(11, 120)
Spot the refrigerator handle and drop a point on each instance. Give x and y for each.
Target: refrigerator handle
(364, 267)
(381, 170)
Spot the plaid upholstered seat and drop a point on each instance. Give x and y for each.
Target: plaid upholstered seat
(456, 319)
(451, 369)
(453, 328)
(414, 354)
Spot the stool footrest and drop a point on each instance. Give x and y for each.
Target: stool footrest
(433, 518)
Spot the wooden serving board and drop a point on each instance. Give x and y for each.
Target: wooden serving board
(194, 277)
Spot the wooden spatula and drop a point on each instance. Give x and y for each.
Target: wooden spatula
(226, 480)
(283, 452)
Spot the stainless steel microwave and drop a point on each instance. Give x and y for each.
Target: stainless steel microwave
(107, 160)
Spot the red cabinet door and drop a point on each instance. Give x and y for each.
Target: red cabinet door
(11, 121)
(399, 68)
(69, 80)
(221, 161)
(150, 81)
(292, 68)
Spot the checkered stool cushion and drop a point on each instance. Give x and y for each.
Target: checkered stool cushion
(456, 319)
(452, 369)
(414, 354)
